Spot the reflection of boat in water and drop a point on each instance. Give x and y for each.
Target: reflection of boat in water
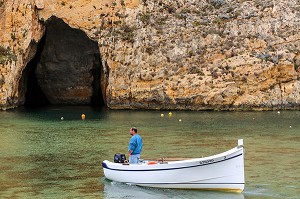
(113, 190)
(224, 171)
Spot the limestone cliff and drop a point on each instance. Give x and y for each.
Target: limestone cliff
(168, 54)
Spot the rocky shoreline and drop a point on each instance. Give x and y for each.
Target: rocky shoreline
(175, 55)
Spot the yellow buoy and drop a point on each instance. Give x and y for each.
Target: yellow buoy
(179, 120)
(83, 116)
(62, 118)
(170, 114)
(161, 115)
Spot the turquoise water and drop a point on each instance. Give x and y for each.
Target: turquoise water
(42, 156)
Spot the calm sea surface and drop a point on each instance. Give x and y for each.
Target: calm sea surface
(42, 156)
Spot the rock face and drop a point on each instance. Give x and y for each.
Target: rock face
(67, 64)
(171, 54)
(20, 32)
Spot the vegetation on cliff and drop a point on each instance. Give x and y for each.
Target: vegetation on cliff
(6, 55)
(171, 54)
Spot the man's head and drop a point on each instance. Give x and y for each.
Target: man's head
(133, 131)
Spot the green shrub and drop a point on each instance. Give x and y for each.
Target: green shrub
(196, 70)
(149, 50)
(2, 80)
(117, 22)
(122, 3)
(13, 36)
(145, 17)
(127, 33)
(296, 66)
(6, 55)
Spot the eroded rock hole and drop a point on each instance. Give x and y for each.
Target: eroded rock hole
(67, 68)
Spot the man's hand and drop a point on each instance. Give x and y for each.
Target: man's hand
(129, 153)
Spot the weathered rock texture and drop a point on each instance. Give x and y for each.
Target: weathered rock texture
(170, 54)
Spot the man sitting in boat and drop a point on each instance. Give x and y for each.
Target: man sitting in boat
(135, 146)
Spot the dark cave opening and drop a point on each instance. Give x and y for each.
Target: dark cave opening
(97, 98)
(34, 96)
(66, 69)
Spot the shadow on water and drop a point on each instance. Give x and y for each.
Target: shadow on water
(120, 190)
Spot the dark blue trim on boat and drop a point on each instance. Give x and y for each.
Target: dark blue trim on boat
(104, 165)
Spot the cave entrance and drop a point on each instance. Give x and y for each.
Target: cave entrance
(66, 69)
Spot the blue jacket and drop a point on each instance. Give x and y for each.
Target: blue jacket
(135, 144)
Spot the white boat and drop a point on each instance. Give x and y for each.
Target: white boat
(224, 171)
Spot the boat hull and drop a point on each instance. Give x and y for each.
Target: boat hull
(224, 172)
